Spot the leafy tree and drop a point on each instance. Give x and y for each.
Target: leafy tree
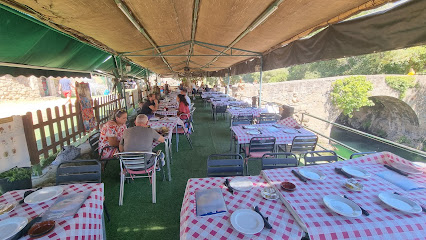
(351, 93)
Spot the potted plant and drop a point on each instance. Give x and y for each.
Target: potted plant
(15, 179)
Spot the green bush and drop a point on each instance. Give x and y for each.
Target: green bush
(351, 93)
(16, 174)
(400, 83)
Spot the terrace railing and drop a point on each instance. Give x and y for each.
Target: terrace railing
(367, 135)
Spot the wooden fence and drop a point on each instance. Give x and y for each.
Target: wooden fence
(46, 133)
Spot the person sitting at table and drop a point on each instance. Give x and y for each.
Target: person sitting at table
(183, 107)
(111, 134)
(185, 93)
(140, 137)
(150, 106)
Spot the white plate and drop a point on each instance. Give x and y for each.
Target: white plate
(312, 174)
(400, 203)
(356, 172)
(290, 130)
(247, 221)
(43, 195)
(406, 168)
(249, 127)
(419, 164)
(253, 132)
(8, 205)
(269, 193)
(241, 184)
(11, 226)
(342, 206)
(154, 119)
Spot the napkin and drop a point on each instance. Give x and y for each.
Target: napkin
(210, 202)
(400, 181)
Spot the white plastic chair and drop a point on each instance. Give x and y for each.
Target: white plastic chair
(134, 165)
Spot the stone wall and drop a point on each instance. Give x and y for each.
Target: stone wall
(313, 96)
(19, 88)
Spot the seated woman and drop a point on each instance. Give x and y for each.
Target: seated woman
(112, 133)
(150, 106)
(183, 107)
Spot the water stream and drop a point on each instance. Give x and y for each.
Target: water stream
(364, 144)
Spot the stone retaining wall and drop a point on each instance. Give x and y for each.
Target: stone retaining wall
(20, 88)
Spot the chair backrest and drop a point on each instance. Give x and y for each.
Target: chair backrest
(242, 120)
(269, 118)
(219, 165)
(78, 171)
(320, 157)
(221, 108)
(279, 160)
(94, 141)
(302, 144)
(137, 161)
(360, 154)
(262, 144)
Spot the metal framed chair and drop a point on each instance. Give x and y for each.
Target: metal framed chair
(219, 109)
(279, 160)
(183, 129)
(94, 145)
(319, 157)
(258, 146)
(360, 154)
(138, 165)
(269, 118)
(221, 165)
(80, 171)
(303, 144)
(237, 121)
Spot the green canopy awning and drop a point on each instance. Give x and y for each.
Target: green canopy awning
(25, 40)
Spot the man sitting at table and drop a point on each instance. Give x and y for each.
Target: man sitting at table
(140, 137)
(150, 106)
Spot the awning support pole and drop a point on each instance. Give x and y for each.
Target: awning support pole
(229, 79)
(260, 84)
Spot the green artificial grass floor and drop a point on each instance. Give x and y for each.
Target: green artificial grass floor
(138, 217)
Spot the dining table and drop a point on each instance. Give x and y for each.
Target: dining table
(283, 224)
(170, 123)
(87, 223)
(304, 210)
(284, 134)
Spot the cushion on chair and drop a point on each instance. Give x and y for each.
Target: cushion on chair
(254, 154)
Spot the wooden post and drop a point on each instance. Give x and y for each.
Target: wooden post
(97, 115)
(61, 138)
(42, 134)
(27, 121)
(51, 131)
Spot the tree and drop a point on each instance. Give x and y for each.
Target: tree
(351, 93)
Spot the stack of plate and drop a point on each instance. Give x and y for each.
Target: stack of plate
(312, 174)
(247, 221)
(356, 172)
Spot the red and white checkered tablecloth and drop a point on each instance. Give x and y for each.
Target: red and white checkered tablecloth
(219, 227)
(169, 123)
(86, 224)
(246, 111)
(289, 122)
(167, 113)
(268, 130)
(383, 222)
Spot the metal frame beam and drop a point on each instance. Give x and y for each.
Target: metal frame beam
(194, 28)
(139, 27)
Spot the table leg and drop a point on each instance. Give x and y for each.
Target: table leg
(168, 160)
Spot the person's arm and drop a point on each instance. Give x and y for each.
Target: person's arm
(121, 146)
(113, 141)
(155, 106)
(161, 139)
(157, 136)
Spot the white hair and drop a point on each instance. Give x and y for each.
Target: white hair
(141, 118)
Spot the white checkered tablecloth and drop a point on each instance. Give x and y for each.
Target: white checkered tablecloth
(383, 222)
(268, 130)
(246, 111)
(219, 227)
(86, 224)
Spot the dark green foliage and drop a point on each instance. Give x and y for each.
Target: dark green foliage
(16, 174)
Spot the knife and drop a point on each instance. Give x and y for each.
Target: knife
(395, 170)
(423, 208)
(365, 212)
(230, 189)
(340, 171)
(302, 178)
(265, 220)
